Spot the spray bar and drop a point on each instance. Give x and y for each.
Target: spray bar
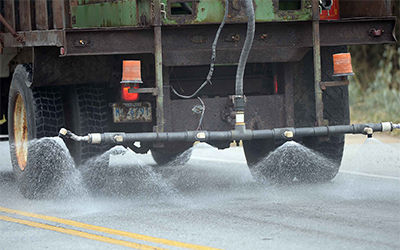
(206, 136)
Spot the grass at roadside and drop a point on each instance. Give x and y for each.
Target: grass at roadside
(375, 88)
(378, 103)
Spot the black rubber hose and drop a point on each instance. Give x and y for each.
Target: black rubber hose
(186, 7)
(251, 26)
(213, 57)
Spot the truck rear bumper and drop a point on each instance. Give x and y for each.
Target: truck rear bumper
(274, 41)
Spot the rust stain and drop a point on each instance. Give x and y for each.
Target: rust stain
(20, 132)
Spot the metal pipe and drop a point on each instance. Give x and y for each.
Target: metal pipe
(11, 29)
(158, 66)
(319, 105)
(206, 136)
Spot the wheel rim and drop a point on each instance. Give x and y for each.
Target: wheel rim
(20, 132)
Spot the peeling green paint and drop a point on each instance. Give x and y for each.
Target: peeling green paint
(210, 12)
(264, 10)
(104, 14)
(116, 13)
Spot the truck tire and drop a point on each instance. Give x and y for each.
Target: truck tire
(32, 113)
(336, 111)
(86, 112)
(256, 150)
(172, 154)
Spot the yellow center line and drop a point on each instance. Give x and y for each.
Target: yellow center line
(107, 230)
(79, 233)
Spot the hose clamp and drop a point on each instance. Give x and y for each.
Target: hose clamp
(387, 126)
(95, 138)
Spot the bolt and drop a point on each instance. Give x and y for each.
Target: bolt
(235, 37)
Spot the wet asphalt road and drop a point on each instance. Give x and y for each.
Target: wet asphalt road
(213, 201)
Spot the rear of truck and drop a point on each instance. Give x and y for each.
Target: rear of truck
(133, 66)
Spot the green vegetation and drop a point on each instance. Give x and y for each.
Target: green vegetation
(375, 88)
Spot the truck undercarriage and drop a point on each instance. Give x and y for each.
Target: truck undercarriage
(66, 71)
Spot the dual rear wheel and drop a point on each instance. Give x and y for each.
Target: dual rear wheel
(34, 113)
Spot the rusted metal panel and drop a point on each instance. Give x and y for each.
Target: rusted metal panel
(279, 42)
(184, 118)
(58, 14)
(365, 8)
(51, 69)
(106, 41)
(358, 31)
(34, 38)
(9, 12)
(25, 17)
(288, 78)
(257, 55)
(42, 22)
(180, 12)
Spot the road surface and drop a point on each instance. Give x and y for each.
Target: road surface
(213, 202)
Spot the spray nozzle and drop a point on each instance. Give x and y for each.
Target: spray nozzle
(64, 133)
(369, 131)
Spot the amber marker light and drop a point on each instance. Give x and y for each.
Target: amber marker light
(342, 64)
(131, 78)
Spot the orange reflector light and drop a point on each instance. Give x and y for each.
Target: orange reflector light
(131, 77)
(342, 64)
(131, 72)
(129, 97)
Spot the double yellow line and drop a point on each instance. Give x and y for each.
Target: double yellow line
(93, 228)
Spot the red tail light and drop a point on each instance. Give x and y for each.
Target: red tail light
(275, 84)
(131, 78)
(129, 97)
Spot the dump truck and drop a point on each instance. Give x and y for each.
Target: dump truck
(167, 73)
